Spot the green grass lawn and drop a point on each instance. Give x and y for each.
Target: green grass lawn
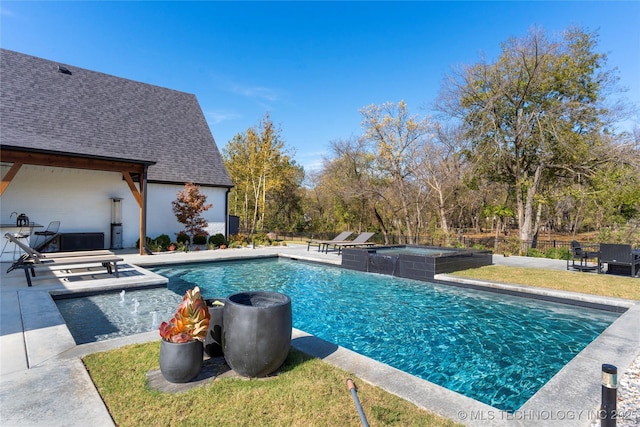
(588, 283)
(306, 392)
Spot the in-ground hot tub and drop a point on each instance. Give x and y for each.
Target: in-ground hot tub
(414, 262)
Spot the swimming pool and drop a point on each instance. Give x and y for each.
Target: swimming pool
(497, 349)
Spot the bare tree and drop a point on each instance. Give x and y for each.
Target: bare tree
(397, 139)
(438, 168)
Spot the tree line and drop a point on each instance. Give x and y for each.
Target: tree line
(524, 144)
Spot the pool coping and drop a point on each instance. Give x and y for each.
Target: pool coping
(573, 393)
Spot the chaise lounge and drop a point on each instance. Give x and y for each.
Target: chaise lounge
(33, 260)
(322, 243)
(360, 241)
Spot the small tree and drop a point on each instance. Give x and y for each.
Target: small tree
(188, 207)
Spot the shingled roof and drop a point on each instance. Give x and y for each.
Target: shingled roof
(45, 105)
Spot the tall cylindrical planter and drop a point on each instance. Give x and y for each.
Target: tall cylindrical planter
(180, 362)
(213, 341)
(257, 332)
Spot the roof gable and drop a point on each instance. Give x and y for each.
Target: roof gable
(90, 113)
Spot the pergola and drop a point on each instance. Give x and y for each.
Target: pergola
(132, 171)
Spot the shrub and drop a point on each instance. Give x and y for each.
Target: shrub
(217, 239)
(261, 239)
(200, 239)
(535, 252)
(558, 253)
(163, 240)
(238, 239)
(183, 238)
(511, 245)
(148, 239)
(155, 246)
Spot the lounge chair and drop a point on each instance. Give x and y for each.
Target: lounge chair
(32, 259)
(23, 233)
(580, 257)
(619, 259)
(33, 253)
(359, 241)
(321, 243)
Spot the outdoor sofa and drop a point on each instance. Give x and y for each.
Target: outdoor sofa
(619, 259)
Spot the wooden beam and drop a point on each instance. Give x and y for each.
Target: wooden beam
(143, 213)
(132, 187)
(8, 177)
(67, 161)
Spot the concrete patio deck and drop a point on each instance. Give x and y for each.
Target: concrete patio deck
(43, 381)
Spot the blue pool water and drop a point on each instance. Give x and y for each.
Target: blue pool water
(494, 348)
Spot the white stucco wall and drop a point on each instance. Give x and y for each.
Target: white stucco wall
(160, 217)
(81, 201)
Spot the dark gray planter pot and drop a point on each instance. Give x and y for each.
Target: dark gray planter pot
(257, 332)
(180, 362)
(213, 341)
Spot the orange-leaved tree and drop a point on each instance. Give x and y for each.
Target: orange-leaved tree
(188, 207)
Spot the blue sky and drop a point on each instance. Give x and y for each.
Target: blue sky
(311, 65)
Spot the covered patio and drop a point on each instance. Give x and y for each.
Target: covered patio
(134, 172)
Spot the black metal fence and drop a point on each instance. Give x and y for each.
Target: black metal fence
(540, 245)
(427, 240)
